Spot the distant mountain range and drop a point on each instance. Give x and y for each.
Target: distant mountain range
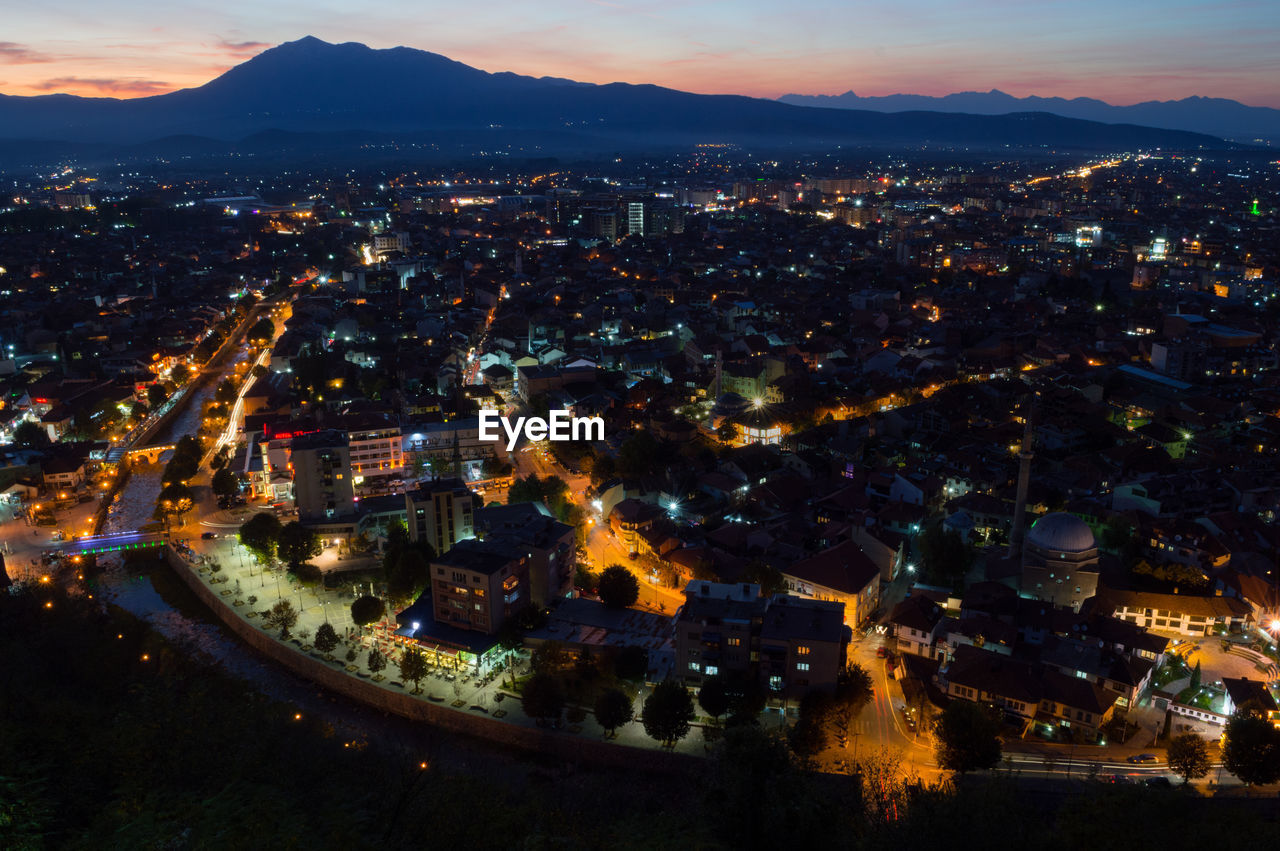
(327, 92)
(1228, 119)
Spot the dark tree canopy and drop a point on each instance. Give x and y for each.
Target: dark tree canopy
(259, 535)
(713, 697)
(1189, 756)
(667, 712)
(542, 697)
(967, 738)
(326, 638)
(367, 610)
(413, 667)
(1251, 750)
(619, 588)
(283, 616)
(31, 435)
(613, 709)
(225, 482)
(297, 543)
(632, 663)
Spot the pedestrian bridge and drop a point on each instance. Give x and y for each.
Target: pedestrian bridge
(112, 543)
(149, 454)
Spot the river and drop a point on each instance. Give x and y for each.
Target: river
(151, 593)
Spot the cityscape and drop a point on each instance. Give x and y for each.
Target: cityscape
(717, 472)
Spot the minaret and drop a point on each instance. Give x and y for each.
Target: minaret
(1024, 480)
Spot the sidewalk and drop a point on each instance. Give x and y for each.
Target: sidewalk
(240, 578)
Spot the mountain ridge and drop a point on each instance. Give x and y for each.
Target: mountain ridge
(1194, 113)
(312, 86)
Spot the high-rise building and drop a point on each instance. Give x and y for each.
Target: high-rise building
(528, 527)
(635, 218)
(322, 485)
(440, 512)
(477, 585)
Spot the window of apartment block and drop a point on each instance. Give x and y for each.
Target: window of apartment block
(802, 650)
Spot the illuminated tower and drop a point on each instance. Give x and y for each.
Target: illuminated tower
(1024, 480)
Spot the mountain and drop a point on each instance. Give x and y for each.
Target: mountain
(1216, 116)
(314, 87)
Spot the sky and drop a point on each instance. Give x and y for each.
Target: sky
(1121, 51)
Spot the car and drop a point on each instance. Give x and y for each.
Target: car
(881, 653)
(1139, 759)
(1160, 782)
(208, 536)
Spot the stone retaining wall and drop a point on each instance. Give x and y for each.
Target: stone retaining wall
(563, 745)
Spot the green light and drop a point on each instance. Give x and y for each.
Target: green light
(1255, 211)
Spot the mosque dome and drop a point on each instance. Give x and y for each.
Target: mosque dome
(1063, 533)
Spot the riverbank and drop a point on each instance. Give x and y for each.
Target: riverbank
(436, 705)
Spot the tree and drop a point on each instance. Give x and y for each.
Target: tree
(632, 663)
(31, 436)
(618, 588)
(174, 500)
(408, 574)
(1189, 756)
(283, 616)
(808, 737)
(1251, 750)
(747, 699)
(156, 395)
(377, 661)
(967, 738)
(603, 469)
(946, 556)
(549, 657)
(853, 692)
(1196, 676)
(259, 371)
(326, 638)
(510, 639)
(296, 543)
(413, 667)
(259, 534)
(613, 709)
(225, 483)
(367, 610)
(713, 697)
(667, 713)
(768, 577)
(542, 697)
(262, 331)
(180, 374)
(727, 433)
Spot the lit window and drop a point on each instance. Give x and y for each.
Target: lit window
(802, 650)
(694, 666)
(802, 666)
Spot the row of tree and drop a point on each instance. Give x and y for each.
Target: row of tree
(265, 537)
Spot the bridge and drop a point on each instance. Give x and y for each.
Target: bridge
(112, 543)
(151, 454)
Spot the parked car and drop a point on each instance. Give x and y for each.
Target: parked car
(1160, 782)
(208, 536)
(881, 653)
(1142, 758)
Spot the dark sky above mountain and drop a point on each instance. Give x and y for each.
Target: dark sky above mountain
(1123, 52)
